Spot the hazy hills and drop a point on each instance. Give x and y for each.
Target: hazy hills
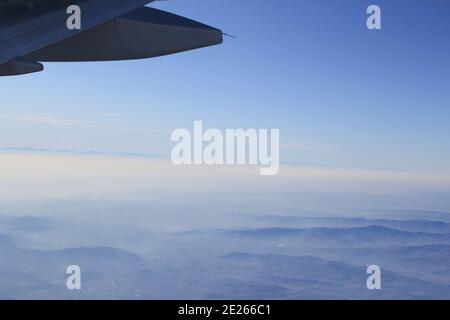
(269, 257)
(368, 236)
(416, 225)
(308, 276)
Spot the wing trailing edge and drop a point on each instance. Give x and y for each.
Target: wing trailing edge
(142, 33)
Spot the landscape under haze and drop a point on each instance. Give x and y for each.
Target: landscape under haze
(218, 244)
(361, 113)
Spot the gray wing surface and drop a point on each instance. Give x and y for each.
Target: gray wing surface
(110, 30)
(37, 31)
(142, 33)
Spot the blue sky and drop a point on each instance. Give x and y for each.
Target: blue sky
(343, 96)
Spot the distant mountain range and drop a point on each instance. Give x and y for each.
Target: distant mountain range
(416, 225)
(23, 223)
(309, 277)
(428, 262)
(370, 235)
(273, 257)
(412, 214)
(78, 152)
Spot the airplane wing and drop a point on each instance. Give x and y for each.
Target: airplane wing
(110, 30)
